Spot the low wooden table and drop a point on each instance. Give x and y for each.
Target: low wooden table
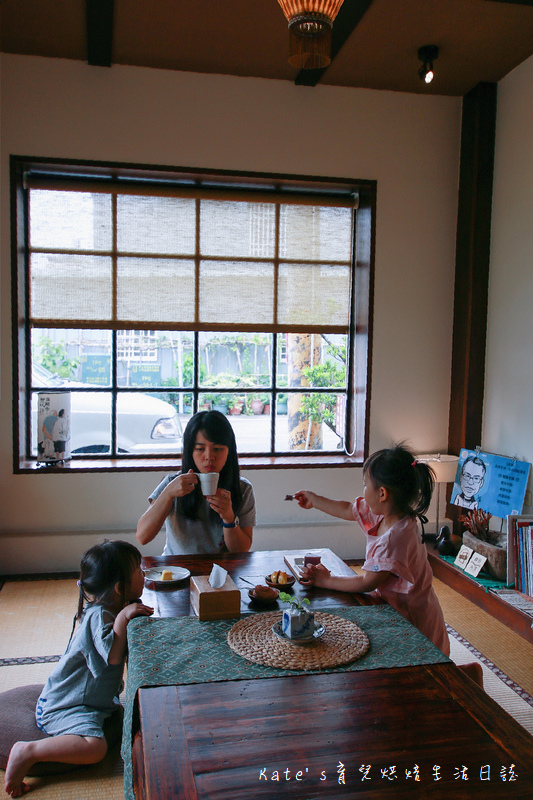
(252, 567)
(421, 731)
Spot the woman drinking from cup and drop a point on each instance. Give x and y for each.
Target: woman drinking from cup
(195, 522)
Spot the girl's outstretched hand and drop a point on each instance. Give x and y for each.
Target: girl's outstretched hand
(314, 575)
(305, 499)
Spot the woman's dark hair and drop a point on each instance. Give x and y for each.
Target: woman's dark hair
(102, 567)
(217, 429)
(409, 482)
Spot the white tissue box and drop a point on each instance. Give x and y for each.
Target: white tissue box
(209, 603)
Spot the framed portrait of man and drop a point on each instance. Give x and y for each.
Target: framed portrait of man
(492, 483)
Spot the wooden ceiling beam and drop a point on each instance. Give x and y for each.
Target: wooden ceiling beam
(99, 15)
(349, 16)
(515, 2)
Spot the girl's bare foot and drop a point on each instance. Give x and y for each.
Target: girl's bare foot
(19, 762)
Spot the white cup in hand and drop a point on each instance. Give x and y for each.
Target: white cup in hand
(208, 482)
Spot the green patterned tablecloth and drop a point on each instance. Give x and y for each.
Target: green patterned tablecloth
(180, 650)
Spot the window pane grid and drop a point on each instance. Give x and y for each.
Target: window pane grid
(187, 254)
(197, 267)
(184, 256)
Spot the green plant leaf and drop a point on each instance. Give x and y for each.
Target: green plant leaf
(294, 601)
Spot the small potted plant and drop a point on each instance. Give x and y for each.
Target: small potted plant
(235, 404)
(220, 403)
(256, 404)
(281, 403)
(297, 623)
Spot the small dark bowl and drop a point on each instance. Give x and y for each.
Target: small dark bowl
(264, 601)
(282, 586)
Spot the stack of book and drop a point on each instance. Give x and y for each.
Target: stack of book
(520, 553)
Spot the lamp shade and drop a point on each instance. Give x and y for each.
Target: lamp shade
(310, 23)
(296, 8)
(444, 466)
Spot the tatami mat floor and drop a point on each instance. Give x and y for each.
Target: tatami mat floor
(36, 619)
(509, 651)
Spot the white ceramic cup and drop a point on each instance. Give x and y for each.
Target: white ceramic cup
(208, 482)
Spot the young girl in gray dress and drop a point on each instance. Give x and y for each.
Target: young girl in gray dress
(83, 689)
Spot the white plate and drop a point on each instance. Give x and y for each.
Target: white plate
(178, 574)
(318, 632)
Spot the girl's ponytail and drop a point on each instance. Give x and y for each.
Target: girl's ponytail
(82, 599)
(426, 484)
(409, 482)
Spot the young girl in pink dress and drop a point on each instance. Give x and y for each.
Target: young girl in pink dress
(396, 494)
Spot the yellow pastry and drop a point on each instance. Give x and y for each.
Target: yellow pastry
(166, 575)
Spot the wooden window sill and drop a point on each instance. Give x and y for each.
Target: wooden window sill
(104, 464)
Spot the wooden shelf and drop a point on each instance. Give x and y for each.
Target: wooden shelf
(454, 577)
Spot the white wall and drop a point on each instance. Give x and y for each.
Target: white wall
(508, 409)
(408, 143)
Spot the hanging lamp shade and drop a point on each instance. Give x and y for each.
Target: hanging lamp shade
(310, 23)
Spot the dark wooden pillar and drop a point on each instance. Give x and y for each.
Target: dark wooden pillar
(472, 267)
(99, 16)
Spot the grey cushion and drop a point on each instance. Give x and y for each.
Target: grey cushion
(17, 723)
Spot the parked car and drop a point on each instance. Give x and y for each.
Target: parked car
(145, 424)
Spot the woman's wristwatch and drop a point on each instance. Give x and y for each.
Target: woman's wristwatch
(234, 524)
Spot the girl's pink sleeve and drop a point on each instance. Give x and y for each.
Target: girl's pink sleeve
(401, 579)
(388, 555)
(363, 515)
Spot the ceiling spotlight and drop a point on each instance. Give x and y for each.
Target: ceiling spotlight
(427, 55)
(310, 24)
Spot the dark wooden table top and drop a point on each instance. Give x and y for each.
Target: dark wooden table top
(252, 567)
(415, 732)
(377, 729)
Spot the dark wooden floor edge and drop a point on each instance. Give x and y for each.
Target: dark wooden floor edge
(43, 576)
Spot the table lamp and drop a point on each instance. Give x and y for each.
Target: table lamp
(445, 467)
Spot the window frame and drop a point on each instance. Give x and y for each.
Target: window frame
(253, 184)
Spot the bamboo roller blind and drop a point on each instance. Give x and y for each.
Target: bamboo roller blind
(103, 254)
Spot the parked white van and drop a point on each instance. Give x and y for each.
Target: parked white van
(145, 424)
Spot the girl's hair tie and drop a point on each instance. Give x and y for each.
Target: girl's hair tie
(415, 462)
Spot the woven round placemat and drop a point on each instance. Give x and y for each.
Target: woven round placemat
(253, 639)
